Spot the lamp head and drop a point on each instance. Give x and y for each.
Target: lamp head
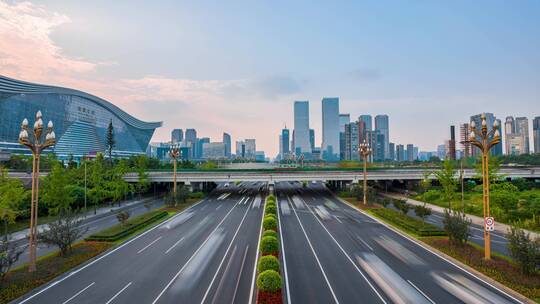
(38, 115)
(472, 136)
(497, 134)
(24, 123)
(473, 124)
(50, 125)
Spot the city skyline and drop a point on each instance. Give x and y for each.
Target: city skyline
(484, 66)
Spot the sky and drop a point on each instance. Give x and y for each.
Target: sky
(238, 66)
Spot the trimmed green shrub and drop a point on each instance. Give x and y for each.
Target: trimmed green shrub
(270, 209)
(269, 223)
(270, 233)
(119, 231)
(271, 197)
(268, 262)
(269, 281)
(269, 245)
(408, 223)
(271, 216)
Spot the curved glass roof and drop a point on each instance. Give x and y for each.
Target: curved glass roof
(9, 85)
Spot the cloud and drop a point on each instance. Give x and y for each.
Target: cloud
(365, 74)
(277, 85)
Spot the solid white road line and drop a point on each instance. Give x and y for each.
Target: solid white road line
(152, 243)
(315, 255)
(425, 247)
(118, 293)
(240, 274)
(283, 255)
(218, 206)
(421, 292)
(252, 289)
(224, 256)
(338, 219)
(174, 245)
(349, 258)
(364, 242)
(78, 293)
(223, 277)
(107, 254)
(193, 256)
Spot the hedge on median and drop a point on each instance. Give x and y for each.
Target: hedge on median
(268, 262)
(270, 209)
(120, 231)
(270, 233)
(269, 245)
(269, 281)
(408, 223)
(270, 223)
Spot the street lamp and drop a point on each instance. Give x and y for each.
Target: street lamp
(174, 153)
(485, 140)
(365, 150)
(36, 145)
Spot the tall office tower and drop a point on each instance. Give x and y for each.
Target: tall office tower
(381, 124)
(464, 139)
(522, 128)
(177, 135)
(351, 141)
(285, 143)
(536, 134)
(392, 151)
(228, 144)
(362, 131)
(410, 152)
(490, 119)
(452, 144)
(251, 148)
(367, 120)
(343, 120)
(441, 151)
(509, 131)
(200, 144)
(400, 153)
(330, 128)
(240, 149)
(312, 139)
(301, 128)
(415, 153)
(191, 138)
(376, 141)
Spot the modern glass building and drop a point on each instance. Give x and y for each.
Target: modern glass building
(80, 120)
(381, 124)
(330, 127)
(301, 128)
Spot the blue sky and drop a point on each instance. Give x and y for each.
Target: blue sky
(237, 66)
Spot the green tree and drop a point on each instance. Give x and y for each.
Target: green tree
(456, 225)
(422, 212)
(12, 194)
(524, 250)
(56, 194)
(448, 181)
(110, 141)
(63, 232)
(143, 183)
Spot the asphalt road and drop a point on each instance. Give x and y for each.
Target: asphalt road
(93, 225)
(206, 254)
(335, 254)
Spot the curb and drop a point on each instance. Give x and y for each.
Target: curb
(444, 256)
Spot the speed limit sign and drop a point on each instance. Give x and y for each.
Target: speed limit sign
(489, 224)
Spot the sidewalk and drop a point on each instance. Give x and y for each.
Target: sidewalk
(476, 220)
(89, 215)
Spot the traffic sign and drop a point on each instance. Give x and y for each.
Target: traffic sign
(489, 224)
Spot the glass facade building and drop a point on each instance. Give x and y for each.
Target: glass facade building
(80, 120)
(330, 127)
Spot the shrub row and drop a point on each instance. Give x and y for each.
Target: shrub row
(411, 224)
(269, 278)
(120, 231)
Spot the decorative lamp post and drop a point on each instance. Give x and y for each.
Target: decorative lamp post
(36, 145)
(174, 153)
(484, 141)
(365, 150)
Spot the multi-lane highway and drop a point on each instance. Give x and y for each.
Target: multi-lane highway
(335, 254)
(204, 255)
(331, 253)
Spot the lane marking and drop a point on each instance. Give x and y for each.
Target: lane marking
(429, 250)
(316, 257)
(193, 256)
(118, 293)
(421, 292)
(225, 272)
(240, 274)
(252, 289)
(107, 254)
(337, 219)
(224, 256)
(174, 245)
(152, 243)
(219, 206)
(283, 255)
(349, 258)
(364, 242)
(78, 293)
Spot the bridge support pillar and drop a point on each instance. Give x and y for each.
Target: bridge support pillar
(189, 186)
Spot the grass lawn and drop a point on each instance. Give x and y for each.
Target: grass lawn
(19, 281)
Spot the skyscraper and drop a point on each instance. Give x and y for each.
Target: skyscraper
(536, 134)
(191, 140)
(350, 135)
(343, 120)
(251, 148)
(177, 135)
(522, 128)
(301, 127)
(516, 135)
(284, 143)
(392, 152)
(367, 120)
(330, 128)
(400, 153)
(452, 144)
(227, 143)
(490, 119)
(410, 152)
(312, 139)
(381, 125)
(464, 139)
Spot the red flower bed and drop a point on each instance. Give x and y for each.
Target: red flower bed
(269, 297)
(276, 254)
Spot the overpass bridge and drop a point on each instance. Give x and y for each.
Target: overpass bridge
(272, 176)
